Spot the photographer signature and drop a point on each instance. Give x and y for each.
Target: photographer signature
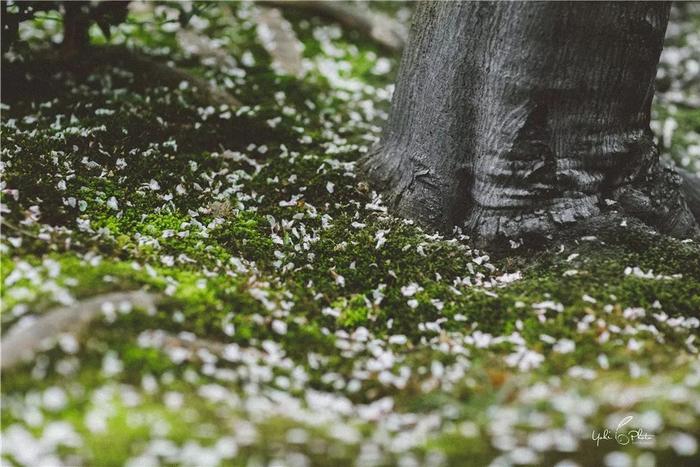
(622, 437)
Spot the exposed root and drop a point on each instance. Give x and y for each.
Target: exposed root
(202, 47)
(277, 37)
(170, 76)
(656, 198)
(147, 71)
(191, 348)
(657, 201)
(21, 343)
(389, 34)
(164, 340)
(690, 187)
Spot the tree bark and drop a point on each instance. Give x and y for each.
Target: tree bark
(76, 24)
(516, 119)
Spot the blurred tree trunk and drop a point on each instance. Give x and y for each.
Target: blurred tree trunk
(76, 23)
(516, 119)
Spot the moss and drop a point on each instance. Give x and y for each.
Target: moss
(239, 263)
(247, 234)
(354, 312)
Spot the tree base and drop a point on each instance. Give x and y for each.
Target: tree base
(657, 199)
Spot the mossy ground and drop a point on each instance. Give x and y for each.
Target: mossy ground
(302, 324)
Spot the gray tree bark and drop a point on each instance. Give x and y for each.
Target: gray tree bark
(517, 119)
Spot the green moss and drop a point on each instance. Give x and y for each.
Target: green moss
(354, 313)
(237, 263)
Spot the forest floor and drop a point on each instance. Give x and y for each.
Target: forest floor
(293, 321)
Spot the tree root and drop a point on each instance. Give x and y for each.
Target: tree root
(162, 74)
(164, 340)
(21, 343)
(147, 71)
(390, 35)
(659, 200)
(196, 44)
(196, 348)
(656, 198)
(690, 187)
(277, 37)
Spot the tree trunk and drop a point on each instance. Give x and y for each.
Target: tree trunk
(76, 24)
(516, 119)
